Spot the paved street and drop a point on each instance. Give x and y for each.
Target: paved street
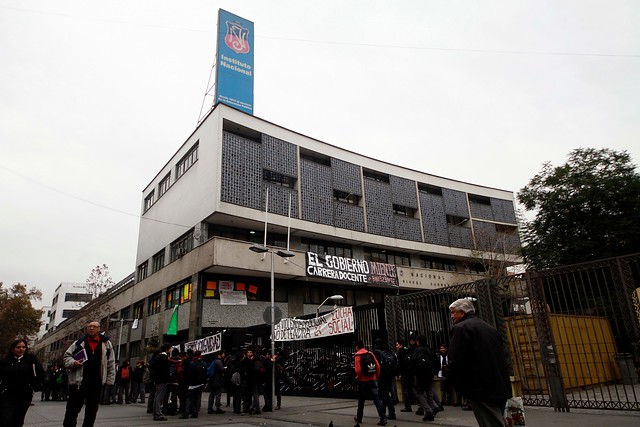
(297, 411)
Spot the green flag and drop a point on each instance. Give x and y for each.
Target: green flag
(173, 323)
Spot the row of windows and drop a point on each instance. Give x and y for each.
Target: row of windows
(78, 297)
(181, 167)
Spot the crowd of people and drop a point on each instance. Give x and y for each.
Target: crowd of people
(474, 369)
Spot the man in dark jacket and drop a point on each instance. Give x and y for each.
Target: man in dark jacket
(216, 384)
(422, 365)
(160, 376)
(477, 364)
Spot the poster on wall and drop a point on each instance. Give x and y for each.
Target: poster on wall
(234, 62)
(206, 345)
(233, 298)
(337, 322)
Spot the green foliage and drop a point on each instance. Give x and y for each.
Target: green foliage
(18, 318)
(586, 209)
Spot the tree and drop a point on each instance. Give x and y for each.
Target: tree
(99, 280)
(586, 209)
(18, 318)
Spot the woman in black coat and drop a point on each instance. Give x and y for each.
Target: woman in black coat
(20, 375)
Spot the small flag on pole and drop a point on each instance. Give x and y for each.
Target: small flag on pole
(173, 323)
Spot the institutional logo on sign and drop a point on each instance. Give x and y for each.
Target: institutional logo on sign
(237, 37)
(234, 59)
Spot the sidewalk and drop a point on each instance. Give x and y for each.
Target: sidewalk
(297, 411)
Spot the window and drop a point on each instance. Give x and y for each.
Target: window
(138, 310)
(69, 313)
(430, 189)
(155, 303)
(404, 211)
(187, 161)
(344, 197)
(179, 294)
(142, 271)
(158, 261)
(482, 200)
(322, 247)
(164, 185)
(436, 263)
(506, 229)
(278, 178)
(375, 176)
(149, 200)
(124, 313)
(457, 220)
(182, 245)
(78, 297)
(312, 156)
(387, 257)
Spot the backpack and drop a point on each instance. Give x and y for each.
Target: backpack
(175, 371)
(236, 379)
(199, 371)
(146, 376)
(388, 362)
(211, 370)
(367, 363)
(424, 362)
(124, 374)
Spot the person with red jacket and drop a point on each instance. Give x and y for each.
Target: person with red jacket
(367, 374)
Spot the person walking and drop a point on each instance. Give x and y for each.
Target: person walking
(406, 375)
(160, 376)
(46, 384)
(196, 379)
(422, 364)
(137, 386)
(215, 372)
(367, 373)
(124, 383)
(90, 363)
(388, 367)
(478, 365)
(445, 386)
(20, 375)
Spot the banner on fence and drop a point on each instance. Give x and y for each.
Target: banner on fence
(206, 345)
(337, 322)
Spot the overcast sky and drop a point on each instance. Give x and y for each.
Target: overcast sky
(95, 96)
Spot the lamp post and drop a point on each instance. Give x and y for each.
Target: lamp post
(333, 298)
(120, 333)
(283, 254)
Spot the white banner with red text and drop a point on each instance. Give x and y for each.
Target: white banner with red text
(337, 322)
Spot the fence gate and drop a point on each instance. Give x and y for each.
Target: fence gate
(571, 335)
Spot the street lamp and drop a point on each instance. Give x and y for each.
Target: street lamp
(120, 334)
(283, 254)
(333, 298)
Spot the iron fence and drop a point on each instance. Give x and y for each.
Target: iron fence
(571, 335)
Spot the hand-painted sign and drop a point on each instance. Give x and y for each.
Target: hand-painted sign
(206, 345)
(351, 270)
(337, 322)
(234, 59)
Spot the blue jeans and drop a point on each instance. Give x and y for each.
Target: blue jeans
(368, 389)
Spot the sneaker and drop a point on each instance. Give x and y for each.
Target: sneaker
(357, 420)
(420, 412)
(382, 422)
(159, 419)
(194, 415)
(428, 417)
(219, 411)
(183, 416)
(406, 410)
